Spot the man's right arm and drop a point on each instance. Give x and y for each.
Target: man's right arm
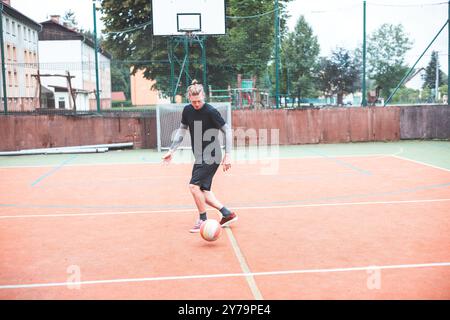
(179, 136)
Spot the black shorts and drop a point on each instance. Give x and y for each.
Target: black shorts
(202, 175)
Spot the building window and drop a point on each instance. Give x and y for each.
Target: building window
(61, 103)
(10, 84)
(8, 28)
(14, 54)
(8, 52)
(13, 30)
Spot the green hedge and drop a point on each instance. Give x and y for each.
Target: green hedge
(122, 104)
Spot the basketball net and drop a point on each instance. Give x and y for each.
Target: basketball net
(191, 36)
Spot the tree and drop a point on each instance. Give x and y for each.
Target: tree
(386, 51)
(430, 73)
(300, 52)
(120, 79)
(427, 95)
(339, 74)
(406, 95)
(136, 45)
(69, 18)
(246, 48)
(443, 91)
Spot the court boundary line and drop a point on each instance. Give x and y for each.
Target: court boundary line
(244, 266)
(178, 163)
(226, 275)
(420, 162)
(336, 204)
(54, 170)
(341, 163)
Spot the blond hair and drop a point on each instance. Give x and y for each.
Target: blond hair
(195, 89)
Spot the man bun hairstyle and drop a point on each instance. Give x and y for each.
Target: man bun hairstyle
(195, 89)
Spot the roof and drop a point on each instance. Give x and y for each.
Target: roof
(10, 11)
(65, 89)
(46, 91)
(118, 96)
(52, 31)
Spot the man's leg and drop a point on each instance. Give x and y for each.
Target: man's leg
(227, 216)
(199, 197)
(211, 200)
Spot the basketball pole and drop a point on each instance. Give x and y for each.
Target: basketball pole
(186, 59)
(184, 65)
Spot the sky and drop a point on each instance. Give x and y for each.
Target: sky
(335, 23)
(340, 23)
(40, 10)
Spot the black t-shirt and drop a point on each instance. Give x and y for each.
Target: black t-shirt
(204, 125)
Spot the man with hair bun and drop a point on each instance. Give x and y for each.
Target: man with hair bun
(204, 123)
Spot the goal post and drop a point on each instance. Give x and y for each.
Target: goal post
(168, 119)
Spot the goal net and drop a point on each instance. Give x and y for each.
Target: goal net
(168, 119)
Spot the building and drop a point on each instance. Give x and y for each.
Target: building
(142, 93)
(20, 37)
(118, 96)
(415, 80)
(67, 61)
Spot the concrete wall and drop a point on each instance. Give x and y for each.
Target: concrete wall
(428, 122)
(324, 125)
(334, 125)
(19, 132)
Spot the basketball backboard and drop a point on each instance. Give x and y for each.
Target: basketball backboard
(176, 17)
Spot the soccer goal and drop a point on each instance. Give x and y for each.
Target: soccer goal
(168, 119)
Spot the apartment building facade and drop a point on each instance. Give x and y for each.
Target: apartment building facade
(20, 37)
(65, 52)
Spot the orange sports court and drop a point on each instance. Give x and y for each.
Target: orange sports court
(331, 221)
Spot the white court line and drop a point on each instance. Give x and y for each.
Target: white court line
(234, 208)
(244, 266)
(224, 275)
(190, 162)
(80, 165)
(419, 162)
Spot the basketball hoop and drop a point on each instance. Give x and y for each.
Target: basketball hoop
(177, 17)
(189, 24)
